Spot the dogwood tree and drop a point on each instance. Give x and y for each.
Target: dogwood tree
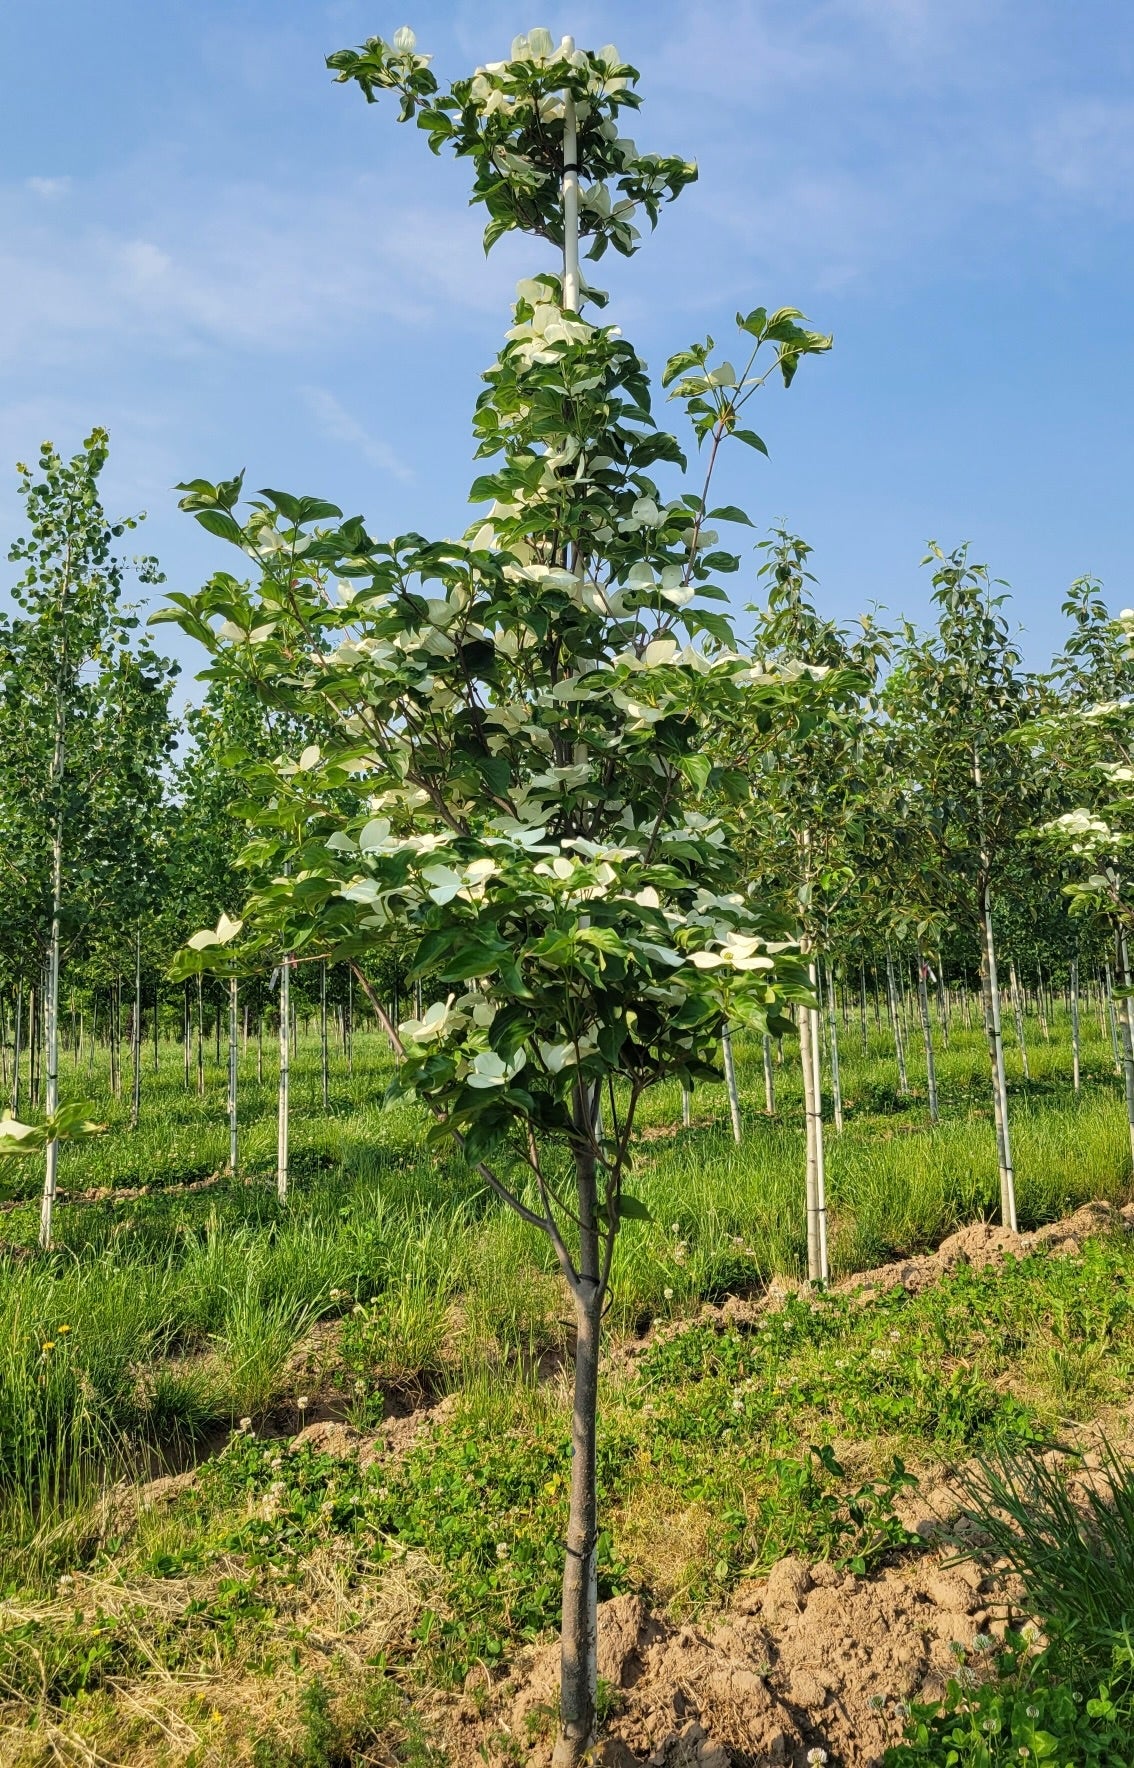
(1088, 741)
(527, 710)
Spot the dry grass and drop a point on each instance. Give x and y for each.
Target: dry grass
(209, 1708)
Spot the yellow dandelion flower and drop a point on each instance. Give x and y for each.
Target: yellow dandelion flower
(49, 1345)
(60, 1330)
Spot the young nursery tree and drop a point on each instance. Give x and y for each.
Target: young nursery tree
(1087, 741)
(526, 709)
(805, 813)
(84, 730)
(960, 704)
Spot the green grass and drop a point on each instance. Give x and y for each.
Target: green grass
(718, 1441)
(163, 1319)
(176, 1313)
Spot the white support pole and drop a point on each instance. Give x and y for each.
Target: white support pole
(570, 188)
(232, 1075)
(730, 1084)
(284, 1076)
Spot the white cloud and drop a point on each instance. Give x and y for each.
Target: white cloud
(234, 268)
(48, 187)
(1086, 149)
(337, 424)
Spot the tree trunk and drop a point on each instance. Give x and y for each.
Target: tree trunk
(34, 996)
(942, 1002)
(995, 1037)
(769, 1078)
(686, 1107)
(862, 1006)
(285, 1068)
(350, 1025)
(51, 1163)
(1075, 1076)
(323, 1029)
(200, 1040)
(187, 1036)
(1018, 1015)
(833, 1040)
(1112, 1021)
(1041, 1001)
(927, 1037)
(813, 1120)
(579, 1645)
(260, 1044)
(1122, 954)
(232, 1074)
(136, 1038)
(17, 1051)
(895, 1026)
(730, 1084)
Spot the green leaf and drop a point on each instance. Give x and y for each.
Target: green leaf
(632, 1209)
(755, 323)
(696, 769)
(219, 522)
(729, 512)
(495, 773)
(752, 439)
(300, 510)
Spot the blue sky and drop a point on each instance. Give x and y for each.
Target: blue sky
(230, 261)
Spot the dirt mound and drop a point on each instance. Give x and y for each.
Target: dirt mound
(807, 1660)
(985, 1243)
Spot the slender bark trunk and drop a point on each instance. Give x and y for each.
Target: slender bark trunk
(1112, 1021)
(769, 1078)
(579, 1647)
(730, 1084)
(686, 1107)
(927, 1037)
(1122, 954)
(157, 1027)
(232, 1074)
(285, 1070)
(942, 1002)
(17, 1051)
(1018, 1015)
(995, 1037)
(862, 1006)
(114, 1024)
(1075, 1075)
(34, 998)
(813, 1121)
(136, 1038)
(1041, 1001)
(323, 1030)
(200, 1040)
(895, 1026)
(260, 1045)
(350, 1025)
(51, 1162)
(833, 1040)
(186, 1036)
